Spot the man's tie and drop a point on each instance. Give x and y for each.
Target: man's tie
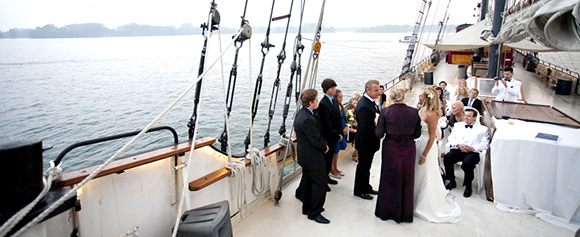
(470, 102)
(468, 126)
(508, 79)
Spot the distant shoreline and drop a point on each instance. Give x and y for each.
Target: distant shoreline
(97, 30)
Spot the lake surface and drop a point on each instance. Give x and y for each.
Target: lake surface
(65, 91)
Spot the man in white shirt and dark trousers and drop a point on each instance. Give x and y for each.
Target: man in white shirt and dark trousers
(507, 89)
(467, 140)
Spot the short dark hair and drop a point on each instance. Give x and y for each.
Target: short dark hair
(308, 95)
(381, 86)
(475, 113)
(508, 69)
(442, 82)
(327, 84)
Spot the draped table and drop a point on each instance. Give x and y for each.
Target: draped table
(534, 175)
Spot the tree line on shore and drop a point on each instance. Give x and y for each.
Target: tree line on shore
(92, 30)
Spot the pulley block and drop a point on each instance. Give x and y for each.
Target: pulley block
(246, 33)
(317, 46)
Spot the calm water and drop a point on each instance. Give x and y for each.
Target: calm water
(70, 90)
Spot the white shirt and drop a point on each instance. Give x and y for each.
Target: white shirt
(470, 102)
(476, 137)
(368, 97)
(510, 93)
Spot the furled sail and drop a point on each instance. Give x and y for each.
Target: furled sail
(469, 38)
(554, 23)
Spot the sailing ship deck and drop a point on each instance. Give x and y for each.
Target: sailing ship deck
(353, 216)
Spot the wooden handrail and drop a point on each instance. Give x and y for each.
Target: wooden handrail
(77, 176)
(220, 174)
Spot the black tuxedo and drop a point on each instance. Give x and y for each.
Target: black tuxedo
(331, 122)
(476, 104)
(310, 149)
(366, 142)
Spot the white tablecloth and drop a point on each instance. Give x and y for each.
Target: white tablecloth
(536, 175)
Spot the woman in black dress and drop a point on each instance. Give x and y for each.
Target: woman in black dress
(400, 125)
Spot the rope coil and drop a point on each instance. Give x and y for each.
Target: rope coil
(260, 172)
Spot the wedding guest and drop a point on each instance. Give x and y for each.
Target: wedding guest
(367, 142)
(329, 113)
(456, 114)
(473, 101)
(467, 140)
(341, 145)
(444, 91)
(399, 124)
(310, 149)
(356, 95)
(441, 99)
(462, 82)
(462, 92)
(382, 97)
(350, 107)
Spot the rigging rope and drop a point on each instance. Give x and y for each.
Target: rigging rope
(246, 34)
(442, 23)
(73, 191)
(421, 34)
(294, 66)
(212, 21)
(53, 173)
(312, 60)
(258, 89)
(276, 87)
(346, 46)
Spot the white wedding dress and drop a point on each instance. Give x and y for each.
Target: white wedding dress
(432, 201)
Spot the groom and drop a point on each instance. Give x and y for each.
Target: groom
(467, 140)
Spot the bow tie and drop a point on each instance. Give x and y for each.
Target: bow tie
(508, 79)
(469, 126)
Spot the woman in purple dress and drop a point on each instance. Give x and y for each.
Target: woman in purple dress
(400, 125)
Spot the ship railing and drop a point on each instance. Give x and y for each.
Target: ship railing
(109, 138)
(557, 71)
(421, 67)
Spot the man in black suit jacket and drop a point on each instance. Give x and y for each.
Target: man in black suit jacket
(473, 101)
(366, 141)
(331, 121)
(311, 147)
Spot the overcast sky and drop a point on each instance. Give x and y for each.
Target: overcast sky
(114, 13)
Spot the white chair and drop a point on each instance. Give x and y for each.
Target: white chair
(479, 171)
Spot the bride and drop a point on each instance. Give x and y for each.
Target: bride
(432, 203)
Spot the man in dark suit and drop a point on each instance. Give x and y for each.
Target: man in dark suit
(311, 147)
(366, 142)
(331, 121)
(473, 101)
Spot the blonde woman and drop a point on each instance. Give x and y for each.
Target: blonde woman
(399, 124)
(456, 114)
(430, 194)
(462, 92)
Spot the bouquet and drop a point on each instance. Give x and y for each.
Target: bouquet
(349, 117)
